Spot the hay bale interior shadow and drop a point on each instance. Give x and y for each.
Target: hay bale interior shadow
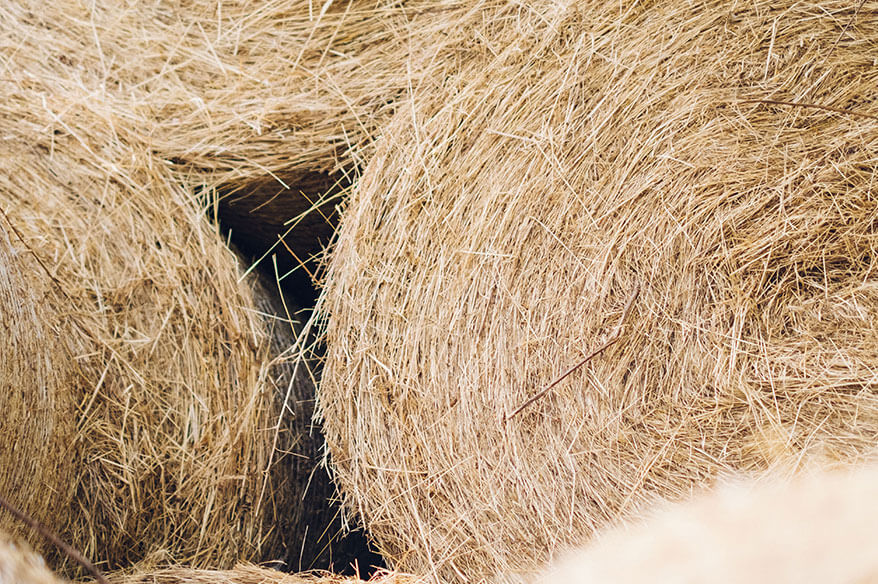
(282, 224)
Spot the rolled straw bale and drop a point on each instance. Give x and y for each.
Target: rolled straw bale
(185, 430)
(248, 574)
(20, 565)
(823, 528)
(504, 225)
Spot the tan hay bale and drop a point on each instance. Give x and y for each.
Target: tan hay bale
(183, 428)
(503, 225)
(20, 565)
(823, 528)
(249, 574)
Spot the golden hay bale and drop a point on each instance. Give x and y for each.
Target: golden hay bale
(178, 425)
(504, 224)
(248, 574)
(823, 528)
(20, 565)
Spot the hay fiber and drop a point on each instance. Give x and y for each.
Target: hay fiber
(113, 118)
(250, 574)
(821, 528)
(36, 369)
(608, 177)
(151, 410)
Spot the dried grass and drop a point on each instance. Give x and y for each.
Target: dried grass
(153, 411)
(505, 221)
(113, 116)
(242, 97)
(250, 574)
(821, 528)
(36, 369)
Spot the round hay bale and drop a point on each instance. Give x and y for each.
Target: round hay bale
(20, 565)
(822, 528)
(613, 183)
(184, 409)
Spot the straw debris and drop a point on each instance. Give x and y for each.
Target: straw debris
(503, 223)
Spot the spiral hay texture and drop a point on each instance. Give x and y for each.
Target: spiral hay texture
(822, 528)
(508, 218)
(20, 565)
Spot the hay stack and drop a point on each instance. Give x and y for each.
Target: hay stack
(20, 565)
(505, 223)
(181, 427)
(820, 529)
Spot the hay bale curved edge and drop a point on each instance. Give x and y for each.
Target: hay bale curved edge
(36, 369)
(505, 222)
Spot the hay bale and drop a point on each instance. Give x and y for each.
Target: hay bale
(184, 430)
(248, 574)
(20, 565)
(822, 528)
(504, 224)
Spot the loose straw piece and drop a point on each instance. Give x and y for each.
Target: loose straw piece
(611, 341)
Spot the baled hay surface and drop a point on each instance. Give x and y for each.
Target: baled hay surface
(241, 91)
(504, 224)
(250, 574)
(169, 431)
(823, 528)
(20, 565)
